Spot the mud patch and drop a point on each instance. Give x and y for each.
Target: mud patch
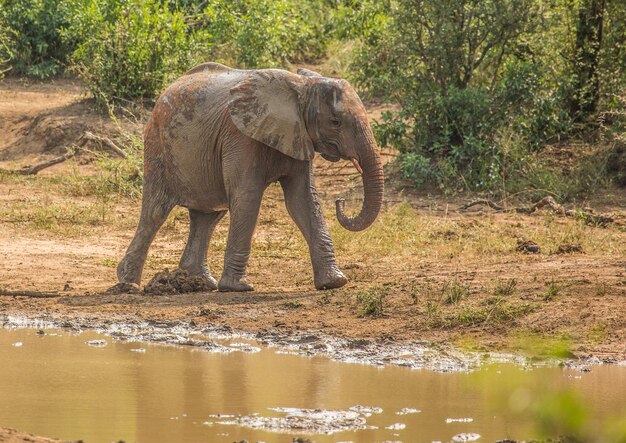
(306, 421)
(177, 282)
(123, 288)
(410, 354)
(414, 355)
(569, 248)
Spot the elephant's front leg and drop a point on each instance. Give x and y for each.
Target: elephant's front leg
(244, 212)
(304, 207)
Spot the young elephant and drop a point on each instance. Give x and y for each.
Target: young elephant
(218, 137)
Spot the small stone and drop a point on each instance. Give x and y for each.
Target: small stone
(528, 247)
(464, 437)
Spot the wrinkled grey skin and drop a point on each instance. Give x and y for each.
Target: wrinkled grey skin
(218, 137)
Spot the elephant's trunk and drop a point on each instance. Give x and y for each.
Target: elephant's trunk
(373, 186)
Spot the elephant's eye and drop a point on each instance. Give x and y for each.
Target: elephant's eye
(335, 122)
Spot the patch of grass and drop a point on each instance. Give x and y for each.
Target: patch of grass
(602, 288)
(454, 291)
(293, 304)
(67, 218)
(493, 311)
(542, 347)
(507, 312)
(177, 221)
(432, 311)
(403, 233)
(598, 333)
(108, 262)
(504, 288)
(326, 297)
(370, 303)
(414, 293)
(553, 289)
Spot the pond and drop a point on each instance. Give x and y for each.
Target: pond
(89, 386)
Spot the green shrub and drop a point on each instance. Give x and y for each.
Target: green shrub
(35, 31)
(6, 47)
(134, 47)
(264, 33)
(440, 59)
(482, 87)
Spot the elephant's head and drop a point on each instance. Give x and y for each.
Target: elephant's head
(301, 114)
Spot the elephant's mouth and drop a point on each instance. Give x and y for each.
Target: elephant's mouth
(330, 158)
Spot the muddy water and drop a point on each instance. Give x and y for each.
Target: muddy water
(91, 387)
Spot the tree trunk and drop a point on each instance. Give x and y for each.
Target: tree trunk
(586, 92)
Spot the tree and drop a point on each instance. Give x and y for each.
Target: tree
(589, 34)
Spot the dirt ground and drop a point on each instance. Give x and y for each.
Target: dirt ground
(13, 436)
(426, 270)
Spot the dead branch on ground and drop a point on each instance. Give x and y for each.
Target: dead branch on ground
(104, 141)
(547, 202)
(34, 294)
(71, 152)
(33, 170)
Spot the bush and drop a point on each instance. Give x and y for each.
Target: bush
(6, 48)
(35, 34)
(134, 48)
(482, 86)
(264, 33)
(441, 60)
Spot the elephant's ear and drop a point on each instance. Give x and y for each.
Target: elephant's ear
(308, 72)
(268, 107)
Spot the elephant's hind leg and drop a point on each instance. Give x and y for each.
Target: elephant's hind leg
(155, 208)
(244, 211)
(201, 228)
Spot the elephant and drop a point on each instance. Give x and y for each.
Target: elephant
(218, 137)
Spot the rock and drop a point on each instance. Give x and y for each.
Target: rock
(528, 247)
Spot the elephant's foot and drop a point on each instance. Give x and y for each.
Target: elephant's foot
(229, 284)
(211, 282)
(128, 271)
(331, 279)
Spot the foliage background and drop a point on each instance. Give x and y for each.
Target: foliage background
(482, 87)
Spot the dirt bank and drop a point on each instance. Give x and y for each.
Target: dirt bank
(425, 271)
(13, 436)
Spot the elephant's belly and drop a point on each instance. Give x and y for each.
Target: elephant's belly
(197, 168)
(207, 202)
(202, 185)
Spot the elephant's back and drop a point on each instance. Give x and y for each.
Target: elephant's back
(182, 137)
